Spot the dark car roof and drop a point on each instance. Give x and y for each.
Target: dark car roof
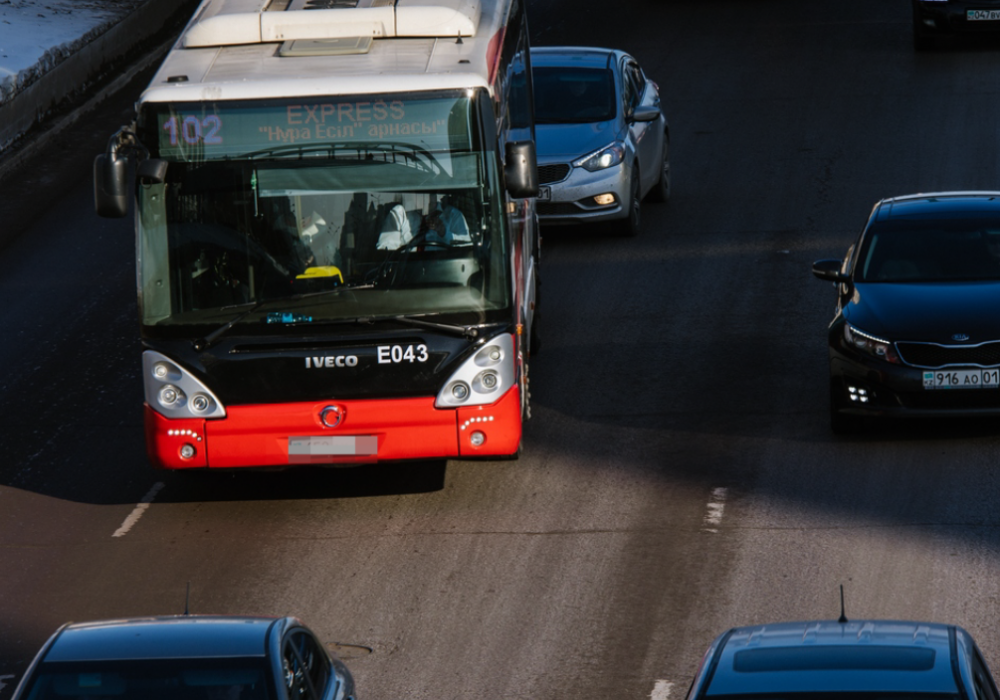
(828, 656)
(188, 636)
(939, 205)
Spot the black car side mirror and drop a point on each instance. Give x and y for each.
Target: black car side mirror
(829, 270)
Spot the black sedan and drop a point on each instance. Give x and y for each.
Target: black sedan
(917, 324)
(933, 19)
(186, 657)
(857, 659)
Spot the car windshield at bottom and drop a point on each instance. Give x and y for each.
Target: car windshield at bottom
(159, 679)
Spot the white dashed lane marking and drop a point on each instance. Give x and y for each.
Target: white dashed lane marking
(661, 690)
(4, 678)
(713, 516)
(137, 512)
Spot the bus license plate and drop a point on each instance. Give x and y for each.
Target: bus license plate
(963, 379)
(305, 448)
(544, 194)
(982, 15)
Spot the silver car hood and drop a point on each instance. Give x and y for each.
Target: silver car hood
(567, 142)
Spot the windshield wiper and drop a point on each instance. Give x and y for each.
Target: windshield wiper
(205, 343)
(470, 332)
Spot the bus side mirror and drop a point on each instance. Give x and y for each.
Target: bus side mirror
(111, 185)
(152, 171)
(521, 169)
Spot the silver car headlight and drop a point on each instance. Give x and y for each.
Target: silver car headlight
(605, 158)
(174, 392)
(483, 378)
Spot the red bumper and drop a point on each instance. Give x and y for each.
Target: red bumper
(277, 435)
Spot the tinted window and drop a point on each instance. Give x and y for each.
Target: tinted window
(573, 95)
(634, 85)
(838, 696)
(180, 679)
(931, 251)
(827, 658)
(307, 668)
(985, 689)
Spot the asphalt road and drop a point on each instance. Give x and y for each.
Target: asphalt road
(678, 476)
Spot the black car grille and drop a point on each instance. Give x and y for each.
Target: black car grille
(552, 173)
(932, 355)
(558, 209)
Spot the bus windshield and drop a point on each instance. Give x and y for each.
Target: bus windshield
(312, 212)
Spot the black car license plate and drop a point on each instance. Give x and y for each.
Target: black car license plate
(982, 15)
(963, 379)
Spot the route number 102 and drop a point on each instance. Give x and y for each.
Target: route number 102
(193, 130)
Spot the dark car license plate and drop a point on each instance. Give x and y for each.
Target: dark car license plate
(982, 15)
(963, 379)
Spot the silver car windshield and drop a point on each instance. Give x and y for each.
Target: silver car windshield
(573, 95)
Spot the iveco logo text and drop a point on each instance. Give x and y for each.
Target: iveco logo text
(960, 337)
(332, 361)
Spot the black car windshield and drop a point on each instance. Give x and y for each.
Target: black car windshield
(872, 695)
(159, 679)
(962, 249)
(573, 95)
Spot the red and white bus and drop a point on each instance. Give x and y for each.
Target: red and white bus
(336, 239)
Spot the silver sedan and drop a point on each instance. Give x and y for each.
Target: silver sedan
(603, 141)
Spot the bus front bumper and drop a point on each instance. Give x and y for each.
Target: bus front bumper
(368, 431)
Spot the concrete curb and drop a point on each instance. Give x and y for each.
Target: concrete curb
(71, 77)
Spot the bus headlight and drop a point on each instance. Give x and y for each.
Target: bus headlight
(171, 396)
(481, 378)
(173, 392)
(200, 403)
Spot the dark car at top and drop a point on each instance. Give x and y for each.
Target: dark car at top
(916, 330)
(844, 660)
(186, 657)
(934, 19)
(603, 141)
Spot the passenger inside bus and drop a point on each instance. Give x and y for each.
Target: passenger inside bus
(450, 227)
(443, 226)
(396, 230)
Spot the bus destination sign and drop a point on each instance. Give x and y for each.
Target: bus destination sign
(215, 130)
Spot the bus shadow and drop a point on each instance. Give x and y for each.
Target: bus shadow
(303, 483)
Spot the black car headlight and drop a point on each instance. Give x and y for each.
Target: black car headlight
(870, 344)
(604, 158)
